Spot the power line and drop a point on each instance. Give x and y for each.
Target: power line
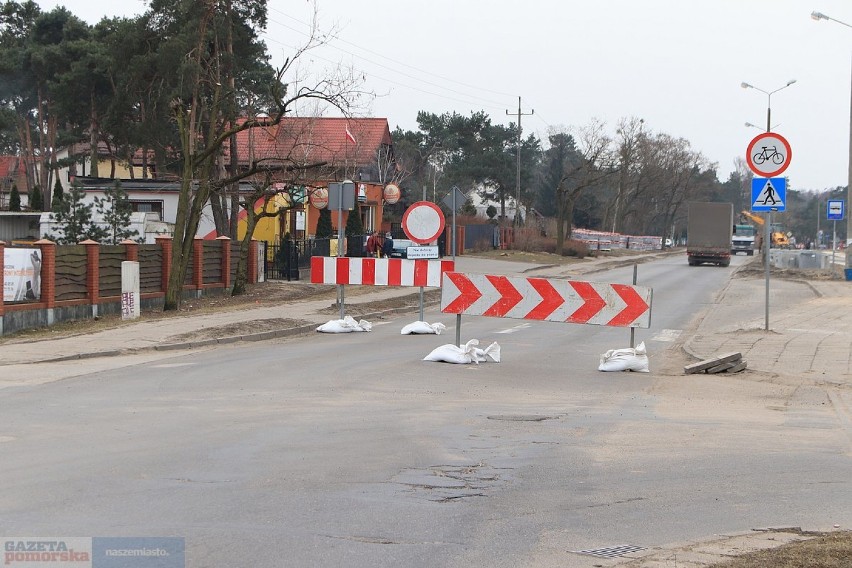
(383, 56)
(472, 99)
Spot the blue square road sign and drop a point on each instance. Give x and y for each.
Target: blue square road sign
(768, 194)
(835, 209)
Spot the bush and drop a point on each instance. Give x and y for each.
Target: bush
(530, 240)
(482, 245)
(573, 247)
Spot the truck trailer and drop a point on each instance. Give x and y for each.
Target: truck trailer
(709, 230)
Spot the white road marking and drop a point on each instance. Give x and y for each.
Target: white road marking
(516, 328)
(667, 335)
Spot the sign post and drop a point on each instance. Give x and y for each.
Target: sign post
(341, 196)
(835, 210)
(422, 223)
(454, 200)
(768, 154)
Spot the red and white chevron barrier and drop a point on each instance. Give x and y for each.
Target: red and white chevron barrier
(549, 300)
(378, 271)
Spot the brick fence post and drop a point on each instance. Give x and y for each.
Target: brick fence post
(165, 244)
(198, 264)
(131, 250)
(93, 273)
(225, 243)
(2, 275)
(252, 263)
(48, 276)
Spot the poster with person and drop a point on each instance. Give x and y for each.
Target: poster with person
(21, 274)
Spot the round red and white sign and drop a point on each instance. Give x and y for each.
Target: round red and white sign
(391, 193)
(768, 154)
(319, 198)
(423, 222)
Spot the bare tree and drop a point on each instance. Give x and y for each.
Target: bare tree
(630, 135)
(204, 129)
(589, 166)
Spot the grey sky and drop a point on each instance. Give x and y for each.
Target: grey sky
(677, 64)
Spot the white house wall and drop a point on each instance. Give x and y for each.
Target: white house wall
(170, 204)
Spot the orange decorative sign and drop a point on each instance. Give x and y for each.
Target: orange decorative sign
(319, 198)
(392, 193)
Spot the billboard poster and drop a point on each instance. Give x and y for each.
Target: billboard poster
(21, 274)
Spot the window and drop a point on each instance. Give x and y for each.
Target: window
(148, 207)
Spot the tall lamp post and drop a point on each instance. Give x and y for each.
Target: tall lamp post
(820, 16)
(767, 234)
(768, 99)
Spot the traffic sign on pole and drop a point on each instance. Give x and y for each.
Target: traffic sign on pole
(768, 154)
(769, 194)
(836, 210)
(423, 222)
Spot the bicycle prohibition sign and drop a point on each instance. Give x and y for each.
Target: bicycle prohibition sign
(768, 154)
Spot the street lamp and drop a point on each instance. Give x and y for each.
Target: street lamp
(750, 125)
(767, 235)
(820, 16)
(768, 94)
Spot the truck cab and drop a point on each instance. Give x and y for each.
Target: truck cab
(742, 239)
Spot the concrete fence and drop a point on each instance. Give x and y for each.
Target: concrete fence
(84, 281)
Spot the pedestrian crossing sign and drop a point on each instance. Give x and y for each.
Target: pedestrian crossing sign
(768, 194)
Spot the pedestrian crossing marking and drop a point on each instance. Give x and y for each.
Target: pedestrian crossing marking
(768, 194)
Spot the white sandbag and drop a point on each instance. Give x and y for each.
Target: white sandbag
(491, 352)
(421, 327)
(625, 360)
(346, 325)
(468, 353)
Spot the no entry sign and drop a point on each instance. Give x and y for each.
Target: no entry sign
(423, 222)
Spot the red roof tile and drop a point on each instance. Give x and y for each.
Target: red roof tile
(309, 140)
(8, 166)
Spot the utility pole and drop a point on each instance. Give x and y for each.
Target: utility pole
(517, 220)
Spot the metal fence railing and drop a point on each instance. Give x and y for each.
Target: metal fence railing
(284, 261)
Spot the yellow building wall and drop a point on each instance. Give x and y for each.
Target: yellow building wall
(268, 228)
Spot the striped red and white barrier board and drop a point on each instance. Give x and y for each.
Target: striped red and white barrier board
(378, 271)
(569, 301)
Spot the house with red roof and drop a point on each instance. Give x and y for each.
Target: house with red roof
(319, 151)
(12, 172)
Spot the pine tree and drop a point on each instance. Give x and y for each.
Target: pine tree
(14, 199)
(58, 192)
(36, 199)
(354, 226)
(354, 232)
(75, 219)
(324, 228)
(115, 209)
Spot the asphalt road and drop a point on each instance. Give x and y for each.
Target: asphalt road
(348, 450)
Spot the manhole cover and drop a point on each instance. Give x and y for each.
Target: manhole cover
(611, 551)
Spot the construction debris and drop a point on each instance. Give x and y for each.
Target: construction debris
(727, 363)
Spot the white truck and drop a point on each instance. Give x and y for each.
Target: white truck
(709, 230)
(743, 239)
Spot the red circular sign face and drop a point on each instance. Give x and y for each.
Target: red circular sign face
(423, 222)
(319, 198)
(769, 154)
(391, 193)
